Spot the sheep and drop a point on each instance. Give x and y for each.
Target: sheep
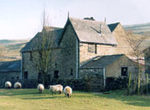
(40, 88)
(68, 91)
(8, 84)
(17, 85)
(60, 88)
(56, 88)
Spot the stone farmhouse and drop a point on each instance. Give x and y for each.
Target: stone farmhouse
(82, 48)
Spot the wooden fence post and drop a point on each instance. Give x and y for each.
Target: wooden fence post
(129, 83)
(147, 83)
(139, 83)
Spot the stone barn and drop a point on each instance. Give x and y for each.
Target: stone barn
(109, 66)
(9, 71)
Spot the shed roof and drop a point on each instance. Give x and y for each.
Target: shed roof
(113, 26)
(93, 31)
(102, 61)
(10, 66)
(53, 36)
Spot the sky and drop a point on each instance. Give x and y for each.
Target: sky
(22, 19)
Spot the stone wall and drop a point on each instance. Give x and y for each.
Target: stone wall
(69, 53)
(8, 76)
(26, 83)
(94, 80)
(122, 47)
(33, 70)
(114, 69)
(28, 65)
(85, 55)
(63, 60)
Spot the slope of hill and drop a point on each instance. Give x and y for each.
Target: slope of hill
(11, 49)
(141, 29)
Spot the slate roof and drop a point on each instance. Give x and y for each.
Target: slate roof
(113, 26)
(102, 61)
(90, 31)
(53, 36)
(10, 66)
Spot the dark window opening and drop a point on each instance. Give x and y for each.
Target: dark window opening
(12, 78)
(26, 75)
(95, 49)
(56, 74)
(71, 72)
(17, 77)
(124, 71)
(92, 48)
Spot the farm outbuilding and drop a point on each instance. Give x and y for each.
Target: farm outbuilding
(9, 71)
(109, 66)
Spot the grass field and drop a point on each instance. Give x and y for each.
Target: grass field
(29, 99)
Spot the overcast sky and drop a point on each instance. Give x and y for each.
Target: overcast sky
(22, 19)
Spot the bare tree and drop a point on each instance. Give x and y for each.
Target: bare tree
(44, 49)
(136, 45)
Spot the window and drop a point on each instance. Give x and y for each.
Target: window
(71, 72)
(92, 48)
(95, 49)
(56, 75)
(26, 75)
(124, 71)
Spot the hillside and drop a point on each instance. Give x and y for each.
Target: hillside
(11, 49)
(141, 29)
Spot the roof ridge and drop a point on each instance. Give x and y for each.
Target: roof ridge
(86, 20)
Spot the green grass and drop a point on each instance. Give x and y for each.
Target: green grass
(29, 99)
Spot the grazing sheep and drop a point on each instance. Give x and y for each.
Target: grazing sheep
(40, 88)
(17, 85)
(68, 91)
(56, 88)
(8, 84)
(60, 88)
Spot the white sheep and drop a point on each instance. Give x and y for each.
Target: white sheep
(8, 84)
(68, 91)
(17, 85)
(56, 88)
(60, 88)
(40, 88)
